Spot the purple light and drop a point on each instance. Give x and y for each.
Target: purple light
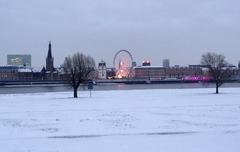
(197, 78)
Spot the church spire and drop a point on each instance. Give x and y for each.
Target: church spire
(49, 59)
(49, 50)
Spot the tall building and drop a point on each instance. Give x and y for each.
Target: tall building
(239, 64)
(134, 64)
(19, 60)
(102, 70)
(49, 59)
(166, 63)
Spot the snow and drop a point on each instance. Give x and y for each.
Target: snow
(25, 70)
(170, 120)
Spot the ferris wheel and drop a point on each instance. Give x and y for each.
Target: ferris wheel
(122, 62)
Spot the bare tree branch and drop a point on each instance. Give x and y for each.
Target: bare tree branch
(78, 69)
(218, 68)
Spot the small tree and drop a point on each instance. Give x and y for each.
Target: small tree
(217, 67)
(78, 69)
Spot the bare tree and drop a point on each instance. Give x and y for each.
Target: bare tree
(217, 67)
(79, 69)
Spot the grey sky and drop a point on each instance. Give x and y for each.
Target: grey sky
(180, 30)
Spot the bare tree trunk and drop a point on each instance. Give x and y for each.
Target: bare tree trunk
(217, 86)
(75, 92)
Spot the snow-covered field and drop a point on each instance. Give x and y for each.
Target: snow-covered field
(176, 120)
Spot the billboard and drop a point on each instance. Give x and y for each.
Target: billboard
(19, 59)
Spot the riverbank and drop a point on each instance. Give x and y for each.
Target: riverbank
(111, 81)
(13, 89)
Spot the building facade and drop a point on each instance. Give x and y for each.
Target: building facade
(8, 73)
(181, 72)
(161, 73)
(102, 70)
(149, 72)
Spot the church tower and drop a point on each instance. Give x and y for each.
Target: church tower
(49, 59)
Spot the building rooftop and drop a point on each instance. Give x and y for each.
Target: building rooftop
(148, 67)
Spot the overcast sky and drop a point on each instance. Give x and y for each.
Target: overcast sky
(180, 30)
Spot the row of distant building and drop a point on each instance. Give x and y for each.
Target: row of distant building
(19, 68)
(165, 72)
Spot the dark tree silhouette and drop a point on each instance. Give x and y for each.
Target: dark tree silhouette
(78, 69)
(217, 67)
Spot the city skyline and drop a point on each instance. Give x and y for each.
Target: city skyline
(155, 30)
(108, 62)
